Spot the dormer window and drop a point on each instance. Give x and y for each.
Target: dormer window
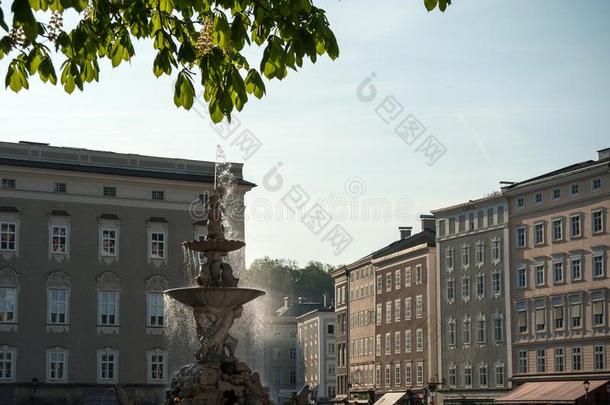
(60, 188)
(158, 195)
(8, 184)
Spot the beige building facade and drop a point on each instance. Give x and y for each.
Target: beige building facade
(559, 247)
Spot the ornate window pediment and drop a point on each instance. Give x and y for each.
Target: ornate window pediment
(9, 277)
(108, 281)
(156, 283)
(58, 279)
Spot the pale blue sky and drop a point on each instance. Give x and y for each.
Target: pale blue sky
(511, 88)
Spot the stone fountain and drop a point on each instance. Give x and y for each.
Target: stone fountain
(217, 376)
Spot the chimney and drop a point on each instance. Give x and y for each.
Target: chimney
(405, 231)
(325, 299)
(286, 302)
(428, 222)
(603, 154)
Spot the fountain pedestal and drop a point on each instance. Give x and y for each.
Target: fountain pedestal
(217, 377)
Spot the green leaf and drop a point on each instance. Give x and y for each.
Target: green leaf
(430, 4)
(16, 76)
(215, 113)
(2, 22)
(24, 17)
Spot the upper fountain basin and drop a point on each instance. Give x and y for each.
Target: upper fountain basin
(214, 245)
(214, 297)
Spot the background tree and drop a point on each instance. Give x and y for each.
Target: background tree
(198, 39)
(283, 277)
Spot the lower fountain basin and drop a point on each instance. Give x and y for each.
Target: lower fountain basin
(214, 245)
(214, 297)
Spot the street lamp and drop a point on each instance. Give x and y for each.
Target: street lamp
(586, 384)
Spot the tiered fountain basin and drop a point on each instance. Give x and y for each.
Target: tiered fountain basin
(214, 297)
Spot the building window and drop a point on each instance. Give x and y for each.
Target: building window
(597, 221)
(522, 320)
(107, 365)
(420, 373)
(419, 306)
(408, 308)
(452, 375)
(388, 312)
(7, 363)
(378, 314)
(56, 365)
(408, 277)
(468, 375)
(293, 377)
(575, 226)
(538, 198)
(599, 315)
(500, 374)
(576, 268)
(397, 279)
(109, 242)
(330, 329)
(59, 239)
(540, 319)
(8, 184)
(388, 282)
(599, 357)
(559, 360)
(481, 330)
(575, 313)
(378, 375)
(558, 315)
(397, 376)
(419, 274)
(483, 375)
(557, 271)
(397, 305)
(480, 253)
(8, 305)
(541, 361)
(331, 391)
(520, 202)
(496, 283)
(539, 233)
(8, 236)
(522, 361)
(522, 277)
(109, 191)
(293, 353)
(156, 311)
(495, 250)
(576, 358)
(540, 274)
(408, 375)
(598, 264)
(467, 330)
(466, 256)
(450, 290)
(388, 375)
(556, 194)
(157, 366)
(58, 306)
(449, 258)
(451, 332)
(60, 188)
(157, 245)
(480, 286)
(596, 184)
(498, 328)
(388, 344)
(521, 237)
(419, 340)
(277, 354)
(397, 342)
(557, 229)
(466, 288)
(379, 284)
(108, 308)
(158, 195)
(408, 341)
(574, 190)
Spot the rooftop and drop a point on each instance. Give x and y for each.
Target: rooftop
(44, 156)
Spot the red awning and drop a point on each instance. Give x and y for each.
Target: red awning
(560, 392)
